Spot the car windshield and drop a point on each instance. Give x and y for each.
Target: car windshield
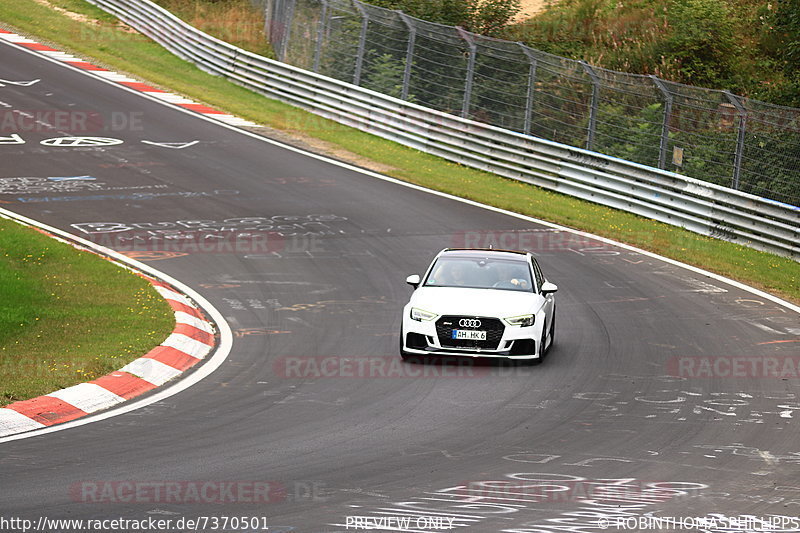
(480, 273)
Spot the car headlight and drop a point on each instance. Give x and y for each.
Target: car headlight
(422, 316)
(522, 320)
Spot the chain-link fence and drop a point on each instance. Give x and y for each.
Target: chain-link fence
(711, 135)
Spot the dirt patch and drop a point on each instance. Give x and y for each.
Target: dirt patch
(530, 8)
(68, 14)
(78, 17)
(306, 142)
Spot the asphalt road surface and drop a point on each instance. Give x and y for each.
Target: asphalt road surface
(659, 397)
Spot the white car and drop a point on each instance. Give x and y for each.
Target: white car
(480, 303)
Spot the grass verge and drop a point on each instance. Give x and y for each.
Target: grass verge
(105, 42)
(68, 316)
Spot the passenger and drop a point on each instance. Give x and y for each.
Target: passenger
(511, 277)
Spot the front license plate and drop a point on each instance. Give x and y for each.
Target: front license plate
(469, 335)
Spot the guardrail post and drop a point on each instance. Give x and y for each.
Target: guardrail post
(412, 40)
(740, 139)
(473, 51)
(531, 87)
(323, 20)
(595, 97)
(362, 42)
(662, 152)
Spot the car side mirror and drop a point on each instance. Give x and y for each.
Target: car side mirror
(413, 280)
(548, 288)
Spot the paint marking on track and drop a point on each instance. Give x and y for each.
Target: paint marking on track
(173, 145)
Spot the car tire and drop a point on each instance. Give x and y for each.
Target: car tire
(542, 345)
(552, 333)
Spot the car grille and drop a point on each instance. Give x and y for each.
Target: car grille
(493, 327)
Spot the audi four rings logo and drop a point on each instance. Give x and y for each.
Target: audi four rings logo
(469, 323)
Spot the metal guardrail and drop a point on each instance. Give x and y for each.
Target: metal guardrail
(698, 206)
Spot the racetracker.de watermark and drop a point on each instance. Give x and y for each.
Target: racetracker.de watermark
(195, 492)
(73, 122)
(703, 367)
(390, 367)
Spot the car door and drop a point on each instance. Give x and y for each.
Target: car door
(549, 304)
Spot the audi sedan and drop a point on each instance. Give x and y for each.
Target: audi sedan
(480, 303)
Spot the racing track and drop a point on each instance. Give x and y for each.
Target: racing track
(603, 406)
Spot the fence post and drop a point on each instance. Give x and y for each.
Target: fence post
(531, 88)
(323, 19)
(362, 40)
(412, 40)
(740, 138)
(473, 51)
(595, 97)
(662, 153)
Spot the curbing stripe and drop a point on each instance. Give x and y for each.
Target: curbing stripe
(187, 345)
(12, 422)
(186, 309)
(172, 357)
(195, 333)
(88, 397)
(47, 410)
(190, 320)
(151, 370)
(169, 294)
(124, 385)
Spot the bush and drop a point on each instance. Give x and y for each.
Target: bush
(702, 40)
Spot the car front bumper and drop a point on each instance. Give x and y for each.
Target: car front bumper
(432, 338)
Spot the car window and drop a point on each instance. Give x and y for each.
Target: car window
(480, 273)
(537, 272)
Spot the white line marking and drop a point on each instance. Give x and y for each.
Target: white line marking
(20, 83)
(174, 146)
(13, 139)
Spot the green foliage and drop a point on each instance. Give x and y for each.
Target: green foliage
(780, 40)
(701, 41)
(749, 47)
(634, 138)
(490, 17)
(386, 76)
(785, 24)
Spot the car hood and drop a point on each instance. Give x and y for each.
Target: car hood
(475, 302)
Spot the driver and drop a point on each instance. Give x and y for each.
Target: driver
(452, 273)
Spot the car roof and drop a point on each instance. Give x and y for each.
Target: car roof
(485, 252)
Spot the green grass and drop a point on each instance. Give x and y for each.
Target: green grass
(68, 316)
(139, 57)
